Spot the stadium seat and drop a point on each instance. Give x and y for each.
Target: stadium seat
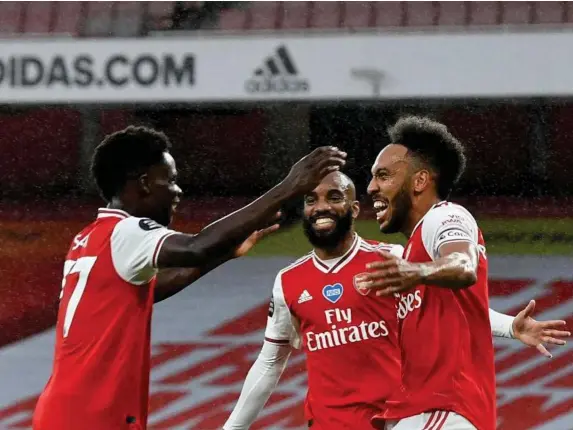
(233, 19)
(420, 14)
(389, 14)
(128, 19)
(549, 12)
(484, 13)
(10, 13)
(358, 14)
(452, 13)
(295, 14)
(38, 17)
(263, 15)
(516, 12)
(98, 21)
(68, 14)
(158, 14)
(326, 14)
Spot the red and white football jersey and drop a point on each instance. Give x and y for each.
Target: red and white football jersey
(349, 336)
(100, 377)
(445, 335)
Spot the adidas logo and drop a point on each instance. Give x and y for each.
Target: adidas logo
(278, 74)
(304, 297)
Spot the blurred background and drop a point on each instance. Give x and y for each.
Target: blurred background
(244, 89)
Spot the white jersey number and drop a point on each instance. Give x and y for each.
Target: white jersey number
(83, 266)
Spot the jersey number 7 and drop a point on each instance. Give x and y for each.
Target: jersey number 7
(83, 267)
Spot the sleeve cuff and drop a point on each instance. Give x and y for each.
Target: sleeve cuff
(501, 324)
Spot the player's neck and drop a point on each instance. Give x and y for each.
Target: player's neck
(419, 211)
(116, 203)
(338, 251)
(127, 202)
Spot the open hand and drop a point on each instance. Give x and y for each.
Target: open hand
(536, 333)
(306, 174)
(255, 237)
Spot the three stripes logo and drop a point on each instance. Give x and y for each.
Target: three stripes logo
(278, 74)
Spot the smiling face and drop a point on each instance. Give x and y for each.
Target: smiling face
(330, 210)
(390, 188)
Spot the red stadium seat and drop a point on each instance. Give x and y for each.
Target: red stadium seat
(158, 14)
(549, 12)
(233, 19)
(452, 13)
(10, 15)
(128, 19)
(295, 14)
(568, 14)
(38, 17)
(516, 12)
(484, 13)
(389, 14)
(358, 14)
(98, 20)
(68, 14)
(420, 14)
(326, 14)
(263, 15)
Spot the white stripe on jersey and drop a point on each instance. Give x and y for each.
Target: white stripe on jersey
(297, 263)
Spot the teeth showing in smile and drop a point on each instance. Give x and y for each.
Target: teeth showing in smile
(380, 208)
(324, 221)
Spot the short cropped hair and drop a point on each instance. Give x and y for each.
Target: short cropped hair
(126, 154)
(432, 143)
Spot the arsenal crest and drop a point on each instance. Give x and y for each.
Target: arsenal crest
(363, 291)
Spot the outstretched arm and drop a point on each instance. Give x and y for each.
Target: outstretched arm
(222, 236)
(501, 324)
(173, 280)
(259, 385)
(529, 331)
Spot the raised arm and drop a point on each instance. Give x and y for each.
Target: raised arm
(222, 236)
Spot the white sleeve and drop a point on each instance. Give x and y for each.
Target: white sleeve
(281, 326)
(501, 324)
(446, 224)
(394, 249)
(259, 385)
(135, 245)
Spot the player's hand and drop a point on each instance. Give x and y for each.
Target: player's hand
(537, 333)
(307, 173)
(392, 275)
(255, 237)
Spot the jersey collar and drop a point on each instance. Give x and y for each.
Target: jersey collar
(422, 219)
(344, 260)
(111, 213)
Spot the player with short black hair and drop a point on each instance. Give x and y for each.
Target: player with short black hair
(112, 276)
(433, 145)
(448, 374)
(125, 153)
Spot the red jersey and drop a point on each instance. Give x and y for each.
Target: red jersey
(349, 336)
(445, 335)
(100, 376)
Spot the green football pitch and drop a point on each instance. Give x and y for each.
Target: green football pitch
(512, 236)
